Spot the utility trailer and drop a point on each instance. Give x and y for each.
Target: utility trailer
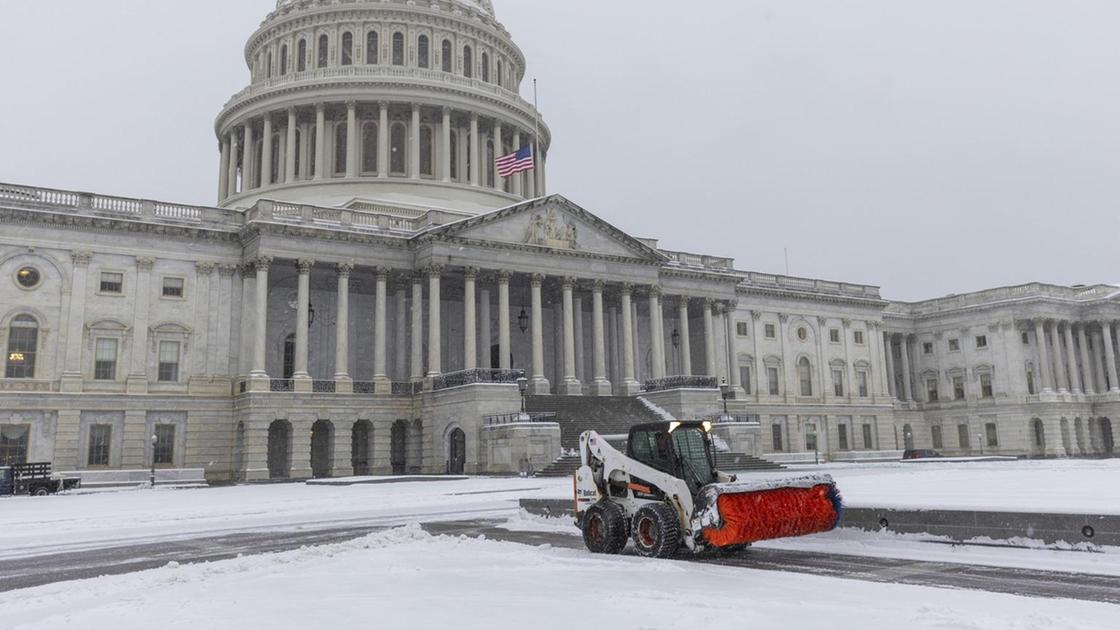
(35, 480)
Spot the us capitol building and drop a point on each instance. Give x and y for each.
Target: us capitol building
(367, 291)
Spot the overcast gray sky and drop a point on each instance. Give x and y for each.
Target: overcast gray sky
(927, 147)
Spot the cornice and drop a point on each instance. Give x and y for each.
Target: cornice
(534, 249)
(810, 296)
(114, 225)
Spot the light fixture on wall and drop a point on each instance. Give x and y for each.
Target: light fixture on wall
(676, 338)
(523, 321)
(310, 314)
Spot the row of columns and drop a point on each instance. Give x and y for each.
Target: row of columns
(239, 156)
(1058, 356)
(600, 384)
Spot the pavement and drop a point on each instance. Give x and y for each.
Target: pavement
(23, 573)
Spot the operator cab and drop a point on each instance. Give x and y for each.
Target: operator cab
(681, 449)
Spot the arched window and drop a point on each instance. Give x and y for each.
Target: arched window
(340, 148)
(490, 164)
(23, 344)
(268, 66)
(347, 49)
(284, 60)
(399, 138)
(324, 50)
(301, 54)
(447, 56)
(805, 375)
(486, 67)
(500, 79)
(275, 157)
(426, 140)
(468, 62)
(422, 52)
(454, 155)
(369, 147)
(371, 48)
(398, 49)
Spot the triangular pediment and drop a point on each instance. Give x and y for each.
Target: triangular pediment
(550, 223)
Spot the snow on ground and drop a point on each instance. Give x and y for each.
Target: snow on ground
(1065, 486)
(405, 578)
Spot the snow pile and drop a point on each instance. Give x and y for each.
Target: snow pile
(405, 578)
(526, 522)
(661, 413)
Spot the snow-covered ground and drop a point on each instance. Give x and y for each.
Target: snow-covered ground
(405, 578)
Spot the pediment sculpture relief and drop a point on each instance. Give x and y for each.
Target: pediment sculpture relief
(549, 230)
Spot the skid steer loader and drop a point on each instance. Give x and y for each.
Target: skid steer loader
(665, 492)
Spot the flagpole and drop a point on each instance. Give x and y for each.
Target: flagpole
(536, 142)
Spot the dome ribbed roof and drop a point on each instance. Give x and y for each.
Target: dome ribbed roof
(484, 6)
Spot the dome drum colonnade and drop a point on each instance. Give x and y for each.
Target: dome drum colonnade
(323, 107)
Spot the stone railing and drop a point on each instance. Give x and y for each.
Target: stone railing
(700, 261)
(88, 204)
(680, 382)
(473, 377)
(772, 281)
(732, 418)
(1003, 294)
(517, 417)
(385, 219)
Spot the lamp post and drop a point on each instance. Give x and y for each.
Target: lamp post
(980, 439)
(152, 477)
(724, 392)
(523, 387)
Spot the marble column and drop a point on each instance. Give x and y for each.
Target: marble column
(382, 384)
(223, 170)
(137, 380)
(538, 384)
(342, 329)
(1097, 353)
(352, 139)
(1071, 360)
(656, 333)
(400, 341)
(435, 357)
(301, 376)
(470, 324)
(503, 321)
(1088, 386)
(416, 363)
(581, 359)
(907, 370)
(474, 152)
(732, 355)
(320, 141)
(260, 337)
(571, 385)
(485, 340)
(234, 157)
(414, 143)
(290, 153)
(630, 385)
(1110, 356)
(266, 153)
(709, 339)
(600, 386)
(892, 384)
(248, 164)
(383, 133)
(686, 337)
(445, 146)
(1056, 356)
(1043, 356)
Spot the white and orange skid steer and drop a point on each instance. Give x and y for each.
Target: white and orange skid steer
(665, 492)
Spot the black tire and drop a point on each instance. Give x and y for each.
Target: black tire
(604, 528)
(40, 492)
(656, 531)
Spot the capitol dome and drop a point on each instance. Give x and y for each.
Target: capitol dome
(398, 105)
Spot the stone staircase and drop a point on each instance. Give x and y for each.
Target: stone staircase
(741, 462)
(609, 415)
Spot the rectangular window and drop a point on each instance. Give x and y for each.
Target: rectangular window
(776, 436)
(958, 388)
(1030, 383)
(164, 453)
(858, 335)
(105, 360)
(927, 347)
(935, 431)
(770, 331)
(100, 437)
(993, 438)
(112, 282)
(962, 437)
(772, 377)
(834, 335)
(981, 341)
(745, 378)
(741, 329)
(1026, 338)
(169, 361)
(862, 376)
(985, 385)
(23, 344)
(842, 436)
(173, 287)
(954, 345)
(867, 442)
(838, 382)
(931, 390)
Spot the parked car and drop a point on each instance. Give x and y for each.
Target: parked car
(34, 479)
(920, 453)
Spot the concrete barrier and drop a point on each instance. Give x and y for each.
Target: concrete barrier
(956, 525)
(133, 477)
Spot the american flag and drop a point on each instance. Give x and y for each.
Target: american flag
(516, 162)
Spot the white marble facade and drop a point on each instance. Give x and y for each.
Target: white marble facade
(333, 313)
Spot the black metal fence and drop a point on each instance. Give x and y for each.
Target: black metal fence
(471, 377)
(516, 417)
(680, 382)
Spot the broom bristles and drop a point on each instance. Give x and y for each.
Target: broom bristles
(749, 517)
